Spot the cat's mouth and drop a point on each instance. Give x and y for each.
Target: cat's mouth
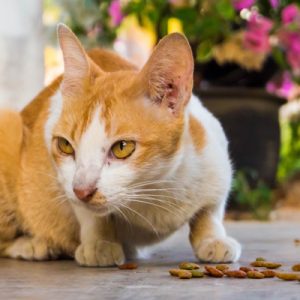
(100, 209)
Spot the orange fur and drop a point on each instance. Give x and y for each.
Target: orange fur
(197, 132)
(11, 133)
(28, 188)
(146, 106)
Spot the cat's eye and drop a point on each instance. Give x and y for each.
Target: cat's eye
(64, 146)
(123, 149)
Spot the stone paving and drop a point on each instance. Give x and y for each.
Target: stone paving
(65, 280)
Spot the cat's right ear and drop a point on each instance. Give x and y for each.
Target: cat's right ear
(78, 67)
(168, 75)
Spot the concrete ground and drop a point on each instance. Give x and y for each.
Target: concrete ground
(64, 280)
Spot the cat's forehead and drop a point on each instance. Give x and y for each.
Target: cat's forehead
(123, 111)
(110, 99)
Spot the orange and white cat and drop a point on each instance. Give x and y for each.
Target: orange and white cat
(109, 158)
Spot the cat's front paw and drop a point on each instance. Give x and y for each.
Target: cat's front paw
(99, 254)
(28, 248)
(216, 250)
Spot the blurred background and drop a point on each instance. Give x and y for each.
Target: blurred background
(247, 72)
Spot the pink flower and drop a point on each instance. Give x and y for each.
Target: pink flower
(257, 34)
(115, 12)
(274, 3)
(259, 23)
(241, 4)
(257, 42)
(282, 86)
(293, 58)
(291, 42)
(290, 13)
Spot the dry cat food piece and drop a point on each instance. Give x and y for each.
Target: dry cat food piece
(212, 271)
(222, 267)
(197, 273)
(236, 273)
(268, 273)
(184, 274)
(260, 259)
(174, 272)
(266, 264)
(246, 269)
(288, 276)
(297, 241)
(188, 266)
(296, 267)
(128, 266)
(255, 275)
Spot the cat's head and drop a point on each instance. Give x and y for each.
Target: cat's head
(114, 134)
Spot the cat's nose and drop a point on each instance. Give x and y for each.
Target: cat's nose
(85, 194)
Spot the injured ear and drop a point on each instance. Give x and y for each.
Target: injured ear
(168, 74)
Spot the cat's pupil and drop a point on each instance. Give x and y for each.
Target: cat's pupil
(122, 145)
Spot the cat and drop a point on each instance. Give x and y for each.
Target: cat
(109, 158)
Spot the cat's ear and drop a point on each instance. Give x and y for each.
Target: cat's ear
(168, 74)
(77, 65)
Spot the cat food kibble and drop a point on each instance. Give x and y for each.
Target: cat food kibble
(197, 274)
(212, 271)
(260, 259)
(288, 276)
(297, 241)
(246, 269)
(268, 273)
(236, 273)
(128, 266)
(296, 267)
(266, 264)
(188, 266)
(191, 270)
(222, 267)
(255, 275)
(184, 274)
(174, 272)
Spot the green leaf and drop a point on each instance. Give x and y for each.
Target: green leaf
(225, 9)
(186, 14)
(279, 57)
(209, 28)
(204, 51)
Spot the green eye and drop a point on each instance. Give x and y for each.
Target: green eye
(64, 146)
(123, 149)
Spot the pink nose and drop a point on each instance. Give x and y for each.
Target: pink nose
(85, 194)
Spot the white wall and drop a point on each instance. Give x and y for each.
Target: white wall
(21, 51)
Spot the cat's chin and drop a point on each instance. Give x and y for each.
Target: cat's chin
(97, 209)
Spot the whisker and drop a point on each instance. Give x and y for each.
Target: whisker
(149, 182)
(176, 206)
(152, 204)
(141, 216)
(121, 212)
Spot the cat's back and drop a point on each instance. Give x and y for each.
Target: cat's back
(11, 136)
(11, 139)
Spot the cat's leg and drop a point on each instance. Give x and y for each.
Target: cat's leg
(209, 239)
(30, 248)
(99, 246)
(130, 251)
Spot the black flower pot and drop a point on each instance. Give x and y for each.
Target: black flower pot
(250, 120)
